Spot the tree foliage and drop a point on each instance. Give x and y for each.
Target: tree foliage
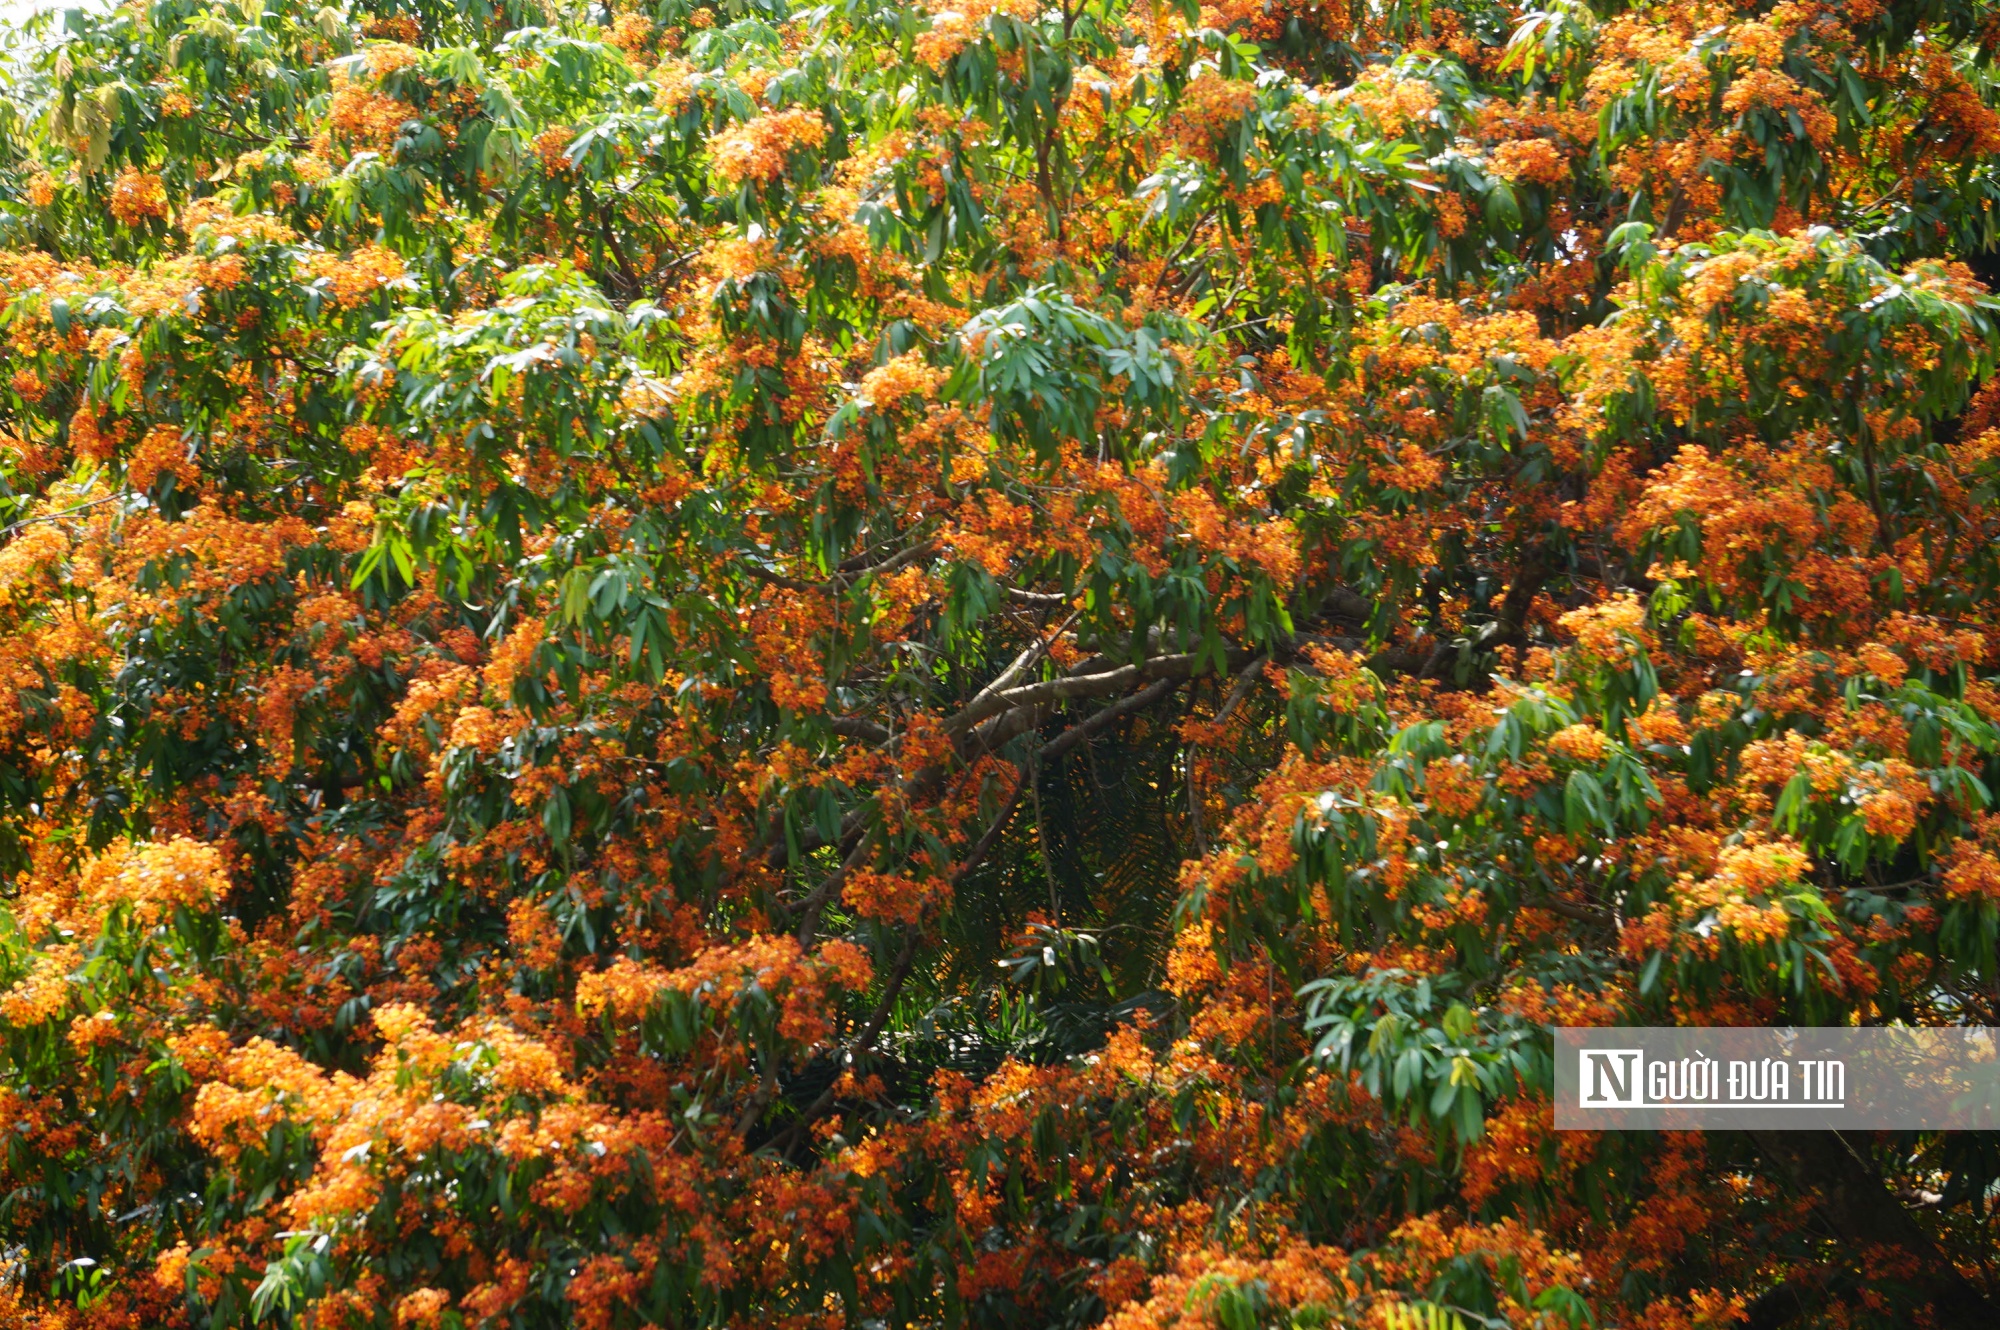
(988, 663)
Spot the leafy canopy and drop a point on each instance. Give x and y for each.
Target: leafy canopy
(987, 663)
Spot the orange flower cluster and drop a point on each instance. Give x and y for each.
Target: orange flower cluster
(151, 880)
(757, 151)
(354, 277)
(137, 195)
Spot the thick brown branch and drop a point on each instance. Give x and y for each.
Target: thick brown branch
(1108, 717)
(899, 973)
(849, 571)
(1861, 1211)
(1783, 1305)
(779, 579)
(1103, 684)
(854, 727)
(991, 698)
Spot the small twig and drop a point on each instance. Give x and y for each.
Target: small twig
(844, 577)
(1586, 914)
(56, 517)
(632, 282)
(1042, 837)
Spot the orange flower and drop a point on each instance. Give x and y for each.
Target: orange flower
(137, 195)
(758, 151)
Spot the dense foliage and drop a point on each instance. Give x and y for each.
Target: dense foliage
(990, 663)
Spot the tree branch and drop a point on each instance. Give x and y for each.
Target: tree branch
(1583, 914)
(983, 703)
(1859, 1208)
(1245, 681)
(813, 904)
(1101, 684)
(854, 727)
(1109, 716)
(899, 974)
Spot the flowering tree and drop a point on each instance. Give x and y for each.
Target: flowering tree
(985, 664)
